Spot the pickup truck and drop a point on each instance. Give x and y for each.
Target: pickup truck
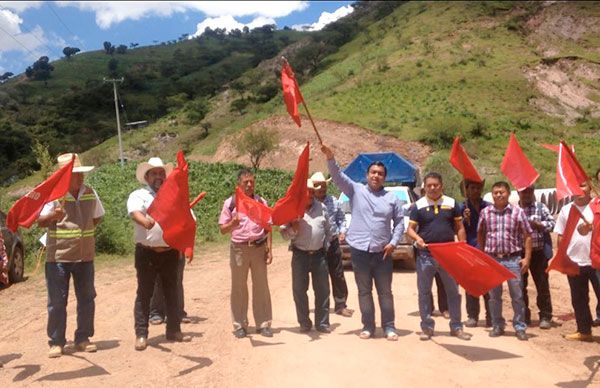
(404, 251)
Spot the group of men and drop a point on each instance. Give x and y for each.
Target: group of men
(515, 236)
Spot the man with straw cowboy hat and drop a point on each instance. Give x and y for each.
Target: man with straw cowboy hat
(153, 257)
(70, 243)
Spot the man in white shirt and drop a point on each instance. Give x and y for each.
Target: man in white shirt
(579, 252)
(153, 257)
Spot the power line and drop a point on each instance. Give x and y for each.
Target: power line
(65, 26)
(16, 40)
(38, 39)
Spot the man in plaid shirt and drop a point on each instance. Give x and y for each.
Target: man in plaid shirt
(505, 234)
(541, 222)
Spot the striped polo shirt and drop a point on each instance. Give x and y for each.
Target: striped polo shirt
(436, 219)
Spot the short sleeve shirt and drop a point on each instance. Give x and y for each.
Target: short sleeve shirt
(579, 246)
(247, 230)
(140, 200)
(436, 219)
(98, 212)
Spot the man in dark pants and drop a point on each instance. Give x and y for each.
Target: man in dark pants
(334, 253)
(470, 210)
(153, 257)
(157, 303)
(541, 222)
(309, 236)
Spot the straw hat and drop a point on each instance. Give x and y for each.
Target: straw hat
(318, 177)
(143, 168)
(309, 184)
(65, 159)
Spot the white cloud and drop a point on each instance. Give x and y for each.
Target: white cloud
(113, 12)
(229, 23)
(28, 42)
(20, 6)
(325, 19)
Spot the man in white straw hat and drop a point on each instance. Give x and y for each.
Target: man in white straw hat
(153, 257)
(339, 287)
(70, 244)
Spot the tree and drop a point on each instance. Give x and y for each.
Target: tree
(70, 51)
(122, 49)
(40, 70)
(108, 48)
(112, 66)
(134, 45)
(257, 143)
(42, 156)
(5, 76)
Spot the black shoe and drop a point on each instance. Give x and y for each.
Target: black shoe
(596, 322)
(496, 332)
(471, 322)
(265, 332)
(324, 329)
(240, 333)
(178, 337)
(521, 335)
(305, 329)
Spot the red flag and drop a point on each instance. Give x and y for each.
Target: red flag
(473, 269)
(517, 168)
(27, 209)
(171, 208)
(460, 160)
(554, 148)
(569, 173)
(293, 204)
(595, 245)
(255, 210)
(291, 92)
(197, 199)
(561, 262)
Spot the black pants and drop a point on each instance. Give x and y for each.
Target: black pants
(303, 265)
(473, 307)
(540, 278)
(596, 286)
(580, 298)
(339, 287)
(157, 303)
(441, 295)
(148, 265)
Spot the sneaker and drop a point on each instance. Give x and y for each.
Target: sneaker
(240, 333)
(156, 320)
(579, 337)
(344, 312)
(178, 337)
(265, 332)
(141, 343)
(497, 332)
(460, 334)
(86, 346)
(426, 334)
(55, 351)
(471, 322)
(521, 335)
(365, 334)
(545, 324)
(391, 335)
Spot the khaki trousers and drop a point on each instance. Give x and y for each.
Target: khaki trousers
(244, 258)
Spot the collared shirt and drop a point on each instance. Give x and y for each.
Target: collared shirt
(336, 214)
(99, 212)
(537, 211)
(436, 219)
(504, 229)
(140, 200)
(247, 230)
(580, 245)
(314, 229)
(372, 213)
(473, 222)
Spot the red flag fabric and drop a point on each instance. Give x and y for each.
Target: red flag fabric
(595, 246)
(569, 173)
(171, 208)
(554, 148)
(197, 199)
(27, 209)
(561, 262)
(255, 210)
(474, 270)
(517, 168)
(291, 92)
(461, 162)
(293, 204)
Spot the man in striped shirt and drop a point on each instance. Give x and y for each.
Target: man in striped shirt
(505, 234)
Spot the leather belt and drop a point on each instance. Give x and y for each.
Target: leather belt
(155, 249)
(311, 253)
(507, 255)
(253, 243)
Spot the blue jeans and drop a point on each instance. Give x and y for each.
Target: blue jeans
(58, 276)
(427, 267)
(304, 263)
(516, 296)
(370, 267)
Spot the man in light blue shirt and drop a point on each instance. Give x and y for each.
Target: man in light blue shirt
(372, 241)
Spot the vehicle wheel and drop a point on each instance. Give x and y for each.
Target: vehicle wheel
(17, 266)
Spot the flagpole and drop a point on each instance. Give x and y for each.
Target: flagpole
(284, 59)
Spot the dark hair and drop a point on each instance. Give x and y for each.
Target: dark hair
(379, 164)
(433, 175)
(244, 171)
(469, 183)
(501, 184)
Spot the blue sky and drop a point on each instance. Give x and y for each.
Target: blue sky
(30, 29)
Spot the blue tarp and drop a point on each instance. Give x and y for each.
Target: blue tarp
(399, 169)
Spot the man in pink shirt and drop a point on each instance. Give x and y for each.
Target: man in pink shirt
(250, 249)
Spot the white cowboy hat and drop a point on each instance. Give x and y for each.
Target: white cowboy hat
(318, 177)
(310, 184)
(142, 168)
(65, 159)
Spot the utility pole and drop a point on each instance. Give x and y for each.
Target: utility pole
(114, 82)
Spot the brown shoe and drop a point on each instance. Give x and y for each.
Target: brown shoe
(141, 343)
(579, 337)
(55, 351)
(345, 312)
(86, 346)
(460, 334)
(178, 337)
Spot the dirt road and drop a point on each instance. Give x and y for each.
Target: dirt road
(215, 358)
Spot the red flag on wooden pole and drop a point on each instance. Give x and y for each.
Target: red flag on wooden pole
(253, 209)
(473, 269)
(293, 204)
(569, 173)
(461, 162)
(561, 261)
(27, 209)
(291, 92)
(171, 208)
(517, 168)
